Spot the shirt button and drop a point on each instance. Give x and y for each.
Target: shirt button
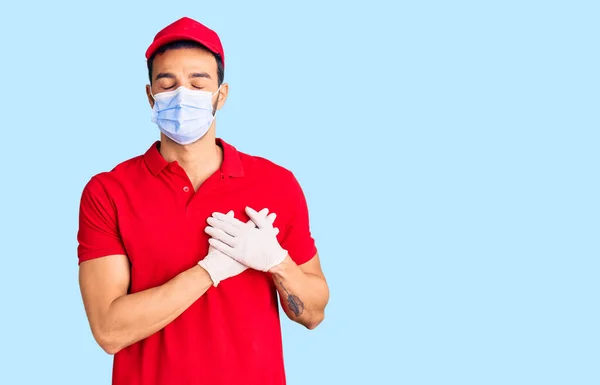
(186, 189)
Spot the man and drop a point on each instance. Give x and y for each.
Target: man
(183, 249)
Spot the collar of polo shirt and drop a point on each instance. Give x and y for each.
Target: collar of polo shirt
(231, 166)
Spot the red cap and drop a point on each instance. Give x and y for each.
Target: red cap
(187, 29)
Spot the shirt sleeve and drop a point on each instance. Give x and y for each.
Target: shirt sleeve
(98, 234)
(298, 240)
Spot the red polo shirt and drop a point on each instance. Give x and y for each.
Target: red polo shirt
(146, 209)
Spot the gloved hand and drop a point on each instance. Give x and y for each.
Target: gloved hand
(219, 265)
(255, 247)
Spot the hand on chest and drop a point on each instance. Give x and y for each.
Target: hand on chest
(166, 235)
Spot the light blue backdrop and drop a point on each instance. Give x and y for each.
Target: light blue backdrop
(448, 152)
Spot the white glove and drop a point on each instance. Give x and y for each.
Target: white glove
(220, 266)
(254, 247)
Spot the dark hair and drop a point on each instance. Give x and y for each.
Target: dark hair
(186, 44)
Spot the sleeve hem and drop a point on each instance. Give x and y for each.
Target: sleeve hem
(99, 254)
(302, 258)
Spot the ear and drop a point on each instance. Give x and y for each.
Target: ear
(223, 92)
(149, 95)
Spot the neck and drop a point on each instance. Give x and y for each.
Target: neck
(199, 159)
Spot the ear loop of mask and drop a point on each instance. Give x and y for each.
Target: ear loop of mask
(217, 102)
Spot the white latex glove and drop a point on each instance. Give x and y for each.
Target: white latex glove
(255, 247)
(219, 265)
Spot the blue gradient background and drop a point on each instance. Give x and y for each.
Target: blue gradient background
(448, 152)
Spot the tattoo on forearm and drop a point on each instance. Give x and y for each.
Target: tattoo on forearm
(294, 303)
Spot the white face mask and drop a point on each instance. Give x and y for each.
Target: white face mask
(183, 115)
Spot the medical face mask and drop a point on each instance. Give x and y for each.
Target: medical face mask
(183, 115)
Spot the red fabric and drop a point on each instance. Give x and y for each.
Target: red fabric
(146, 209)
(187, 29)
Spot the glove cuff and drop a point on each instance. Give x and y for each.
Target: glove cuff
(281, 254)
(205, 264)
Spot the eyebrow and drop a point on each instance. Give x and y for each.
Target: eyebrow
(165, 75)
(200, 75)
(168, 75)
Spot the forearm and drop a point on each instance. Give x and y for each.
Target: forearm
(303, 296)
(134, 317)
